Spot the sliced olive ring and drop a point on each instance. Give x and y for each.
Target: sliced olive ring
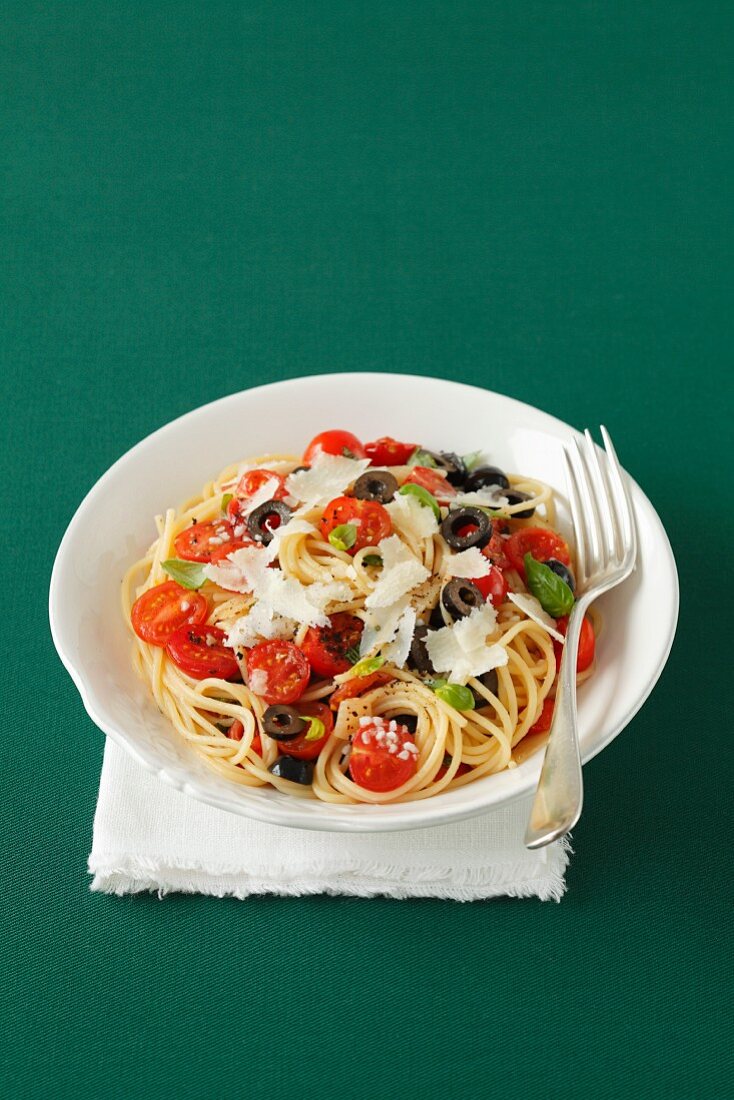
(297, 771)
(562, 571)
(479, 533)
(454, 466)
(460, 596)
(257, 521)
(379, 485)
(418, 656)
(410, 721)
(489, 680)
(485, 477)
(514, 496)
(283, 723)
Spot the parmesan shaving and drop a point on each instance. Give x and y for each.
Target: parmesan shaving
(531, 607)
(461, 650)
(401, 571)
(328, 477)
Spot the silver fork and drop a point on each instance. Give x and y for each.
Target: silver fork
(606, 550)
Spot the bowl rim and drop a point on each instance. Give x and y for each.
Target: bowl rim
(419, 814)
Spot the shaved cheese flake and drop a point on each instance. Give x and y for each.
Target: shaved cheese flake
(467, 563)
(257, 625)
(295, 526)
(401, 571)
(397, 651)
(484, 498)
(531, 607)
(461, 650)
(328, 477)
(411, 517)
(243, 570)
(265, 493)
(380, 626)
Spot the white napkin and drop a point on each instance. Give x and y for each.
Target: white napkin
(149, 837)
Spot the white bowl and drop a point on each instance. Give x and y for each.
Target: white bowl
(114, 524)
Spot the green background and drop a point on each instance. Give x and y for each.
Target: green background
(529, 196)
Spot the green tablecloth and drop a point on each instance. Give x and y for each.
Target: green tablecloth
(530, 196)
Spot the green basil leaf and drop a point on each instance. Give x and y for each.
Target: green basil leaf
(550, 590)
(316, 729)
(343, 537)
(472, 459)
(426, 499)
(420, 457)
(352, 654)
(225, 500)
(456, 695)
(366, 666)
(189, 574)
(372, 559)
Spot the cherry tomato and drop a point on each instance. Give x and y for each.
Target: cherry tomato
(334, 443)
(237, 731)
(587, 643)
(374, 766)
(495, 548)
(539, 542)
(208, 541)
(164, 609)
(493, 587)
(435, 483)
(199, 651)
(388, 452)
(326, 646)
(370, 518)
(358, 685)
(277, 671)
(299, 746)
(546, 717)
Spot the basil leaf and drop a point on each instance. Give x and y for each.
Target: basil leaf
(420, 457)
(316, 729)
(550, 590)
(372, 559)
(343, 537)
(189, 574)
(366, 666)
(352, 654)
(225, 500)
(456, 695)
(426, 499)
(472, 459)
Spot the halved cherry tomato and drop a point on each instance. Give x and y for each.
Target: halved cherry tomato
(377, 765)
(386, 451)
(237, 731)
(164, 609)
(250, 483)
(435, 483)
(334, 443)
(493, 587)
(326, 646)
(539, 542)
(208, 541)
(587, 643)
(370, 518)
(277, 671)
(495, 548)
(199, 651)
(546, 717)
(299, 746)
(358, 685)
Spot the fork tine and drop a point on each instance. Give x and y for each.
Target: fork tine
(603, 502)
(589, 509)
(577, 519)
(629, 531)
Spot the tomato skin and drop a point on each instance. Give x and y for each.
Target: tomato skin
(207, 542)
(371, 764)
(435, 483)
(200, 652)
(493, 587)
(371, 519)
(495, 548)
(539, 542)
(543, 723)
(358, 685)
(237, 731)
(335, 442)
(162, 610)
(299, 746)
(253, 480)
(587, 643)
(277, 671)
(326, 646)
(387, 451)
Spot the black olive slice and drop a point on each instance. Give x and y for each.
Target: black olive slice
(298, 771)
(376, 485)
(460, 597)
(479, 533)
(410, 721)
(514, 496)
(453, 465)
(283, 723)
(490, 680)
(562, 571)
(418, 657)
(486, 476)
(260, 522)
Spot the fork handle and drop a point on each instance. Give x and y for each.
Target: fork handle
(560, 793)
